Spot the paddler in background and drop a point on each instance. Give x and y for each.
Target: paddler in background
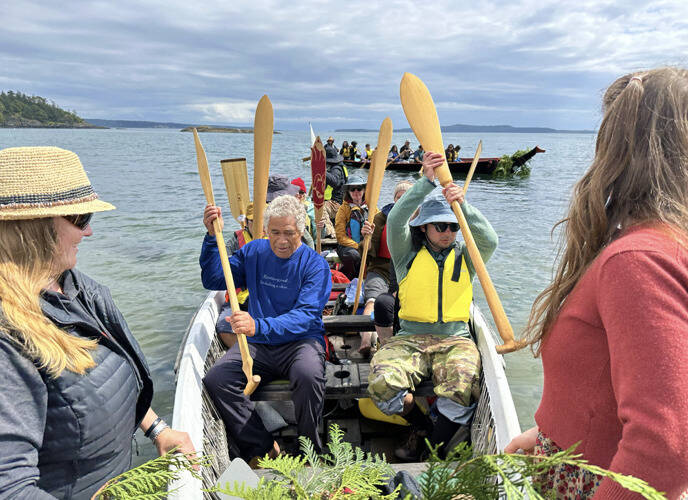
(451, 153)
(434, 340)
(377, 279)
(351, 225)
(368, 153)
(337, 176)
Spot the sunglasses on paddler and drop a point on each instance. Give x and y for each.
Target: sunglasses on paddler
(81, 220)
(356, 188)
(442, 226)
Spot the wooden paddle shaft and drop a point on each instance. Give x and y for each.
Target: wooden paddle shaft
(500, 318)
(318, 237)
(375, 176)
(206, 183)
(246, 360)
(366, 245)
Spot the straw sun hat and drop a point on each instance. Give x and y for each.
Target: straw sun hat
(40, 182)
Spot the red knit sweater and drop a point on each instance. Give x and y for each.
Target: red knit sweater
(616, 364)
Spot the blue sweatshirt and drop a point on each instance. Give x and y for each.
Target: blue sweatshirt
(286, 296)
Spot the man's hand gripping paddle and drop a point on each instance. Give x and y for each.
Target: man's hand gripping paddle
(421, 114)
(246, 360)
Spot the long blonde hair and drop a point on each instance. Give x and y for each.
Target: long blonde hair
(27, 251)
(639, 175)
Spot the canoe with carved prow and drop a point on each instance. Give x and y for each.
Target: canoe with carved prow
(495, 422)
(485, 166)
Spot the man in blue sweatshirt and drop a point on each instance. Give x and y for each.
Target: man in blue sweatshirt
(288, 286)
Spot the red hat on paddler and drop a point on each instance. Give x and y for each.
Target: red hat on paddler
(300, 183)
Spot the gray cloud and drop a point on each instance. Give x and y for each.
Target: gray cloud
(522, 63)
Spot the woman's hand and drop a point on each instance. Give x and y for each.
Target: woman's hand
(524, 441)
(431, 161)
(243, 323)
(169, 439)
(368, 228)
(211, 213)
(452, 193)
(321, 223)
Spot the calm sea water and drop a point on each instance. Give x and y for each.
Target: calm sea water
(147, 250)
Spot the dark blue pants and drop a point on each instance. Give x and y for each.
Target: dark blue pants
(302, 362)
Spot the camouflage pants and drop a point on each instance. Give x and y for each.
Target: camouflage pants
(401, 364)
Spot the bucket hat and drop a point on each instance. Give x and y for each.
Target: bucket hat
(279, 185)
(434, 209)
(356, 179)
(38, 182)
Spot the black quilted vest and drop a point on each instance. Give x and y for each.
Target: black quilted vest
(91, 418)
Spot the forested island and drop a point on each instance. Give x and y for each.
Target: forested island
(21, 110)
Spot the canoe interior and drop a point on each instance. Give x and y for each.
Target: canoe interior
(493, 425)
(340, 407)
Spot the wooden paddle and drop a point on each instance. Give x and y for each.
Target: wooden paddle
(262, 146)
(318, 185)
(236, 184)
(372, 193)
(246, 360)
(476, 157)
(421, 114)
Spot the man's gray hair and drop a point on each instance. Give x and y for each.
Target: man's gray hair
(287, 206)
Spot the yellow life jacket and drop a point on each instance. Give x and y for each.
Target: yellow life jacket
(369, 153)
(345, 151)
(427, 297)
(328, 188)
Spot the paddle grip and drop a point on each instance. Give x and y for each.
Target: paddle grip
(246, 360)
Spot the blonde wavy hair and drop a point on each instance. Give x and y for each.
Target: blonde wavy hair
(639, 175)
(27, 251)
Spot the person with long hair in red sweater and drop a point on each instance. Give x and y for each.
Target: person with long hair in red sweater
(612, 327)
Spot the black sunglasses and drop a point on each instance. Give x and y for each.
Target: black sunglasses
(81, 221)
(356, 188)
(442, 226)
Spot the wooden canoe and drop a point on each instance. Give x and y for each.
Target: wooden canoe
(495, 422)
(486, 166)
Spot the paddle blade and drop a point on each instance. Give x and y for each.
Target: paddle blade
(377, 167)
(203, 171)
(318, 173)
(421, 115)
(262, 146)
(236, 183)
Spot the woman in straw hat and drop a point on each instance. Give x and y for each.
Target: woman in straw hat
(612, 328)
(75, 382)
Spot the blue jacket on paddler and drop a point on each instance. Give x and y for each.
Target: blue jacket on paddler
(286, 296)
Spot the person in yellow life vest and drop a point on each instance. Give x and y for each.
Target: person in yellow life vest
(452, 153)
(435, 273)
(345, 150)
(368, 153)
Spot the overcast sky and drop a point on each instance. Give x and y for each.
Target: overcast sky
(336, 64)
